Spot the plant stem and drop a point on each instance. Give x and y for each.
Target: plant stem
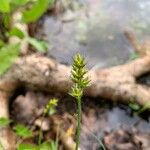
(79, 123)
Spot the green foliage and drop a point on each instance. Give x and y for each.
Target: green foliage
(52, 145)
(39, 45)
(16, 32)
(20, 2)
(133, 56)
(25, 146)
(138, 108)
(50, 108)
(22, 131)
(5, 6)
(4, 122)
(134, 106)
(7, 55)
(36, 11)
(144, 108)
(6, 22)
(1, 44)
(81, 81)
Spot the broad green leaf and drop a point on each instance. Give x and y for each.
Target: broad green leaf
(17, 32)
(22, 131)
(4, 122)
(20, 2)
(36, 11)
(39, 45)
(5, 6)
(7, 56)
(24, 146)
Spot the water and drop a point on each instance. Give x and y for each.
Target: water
(96, 31)
(105, 121)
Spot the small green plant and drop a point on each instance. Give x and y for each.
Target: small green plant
(51, 145)
(49, 109)
(81, 81)
(24, 132)
(134, 106)
(4, 122)
(30, 11)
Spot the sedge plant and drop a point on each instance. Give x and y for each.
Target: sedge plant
(49, 109)
(81, 81)
(23, 132)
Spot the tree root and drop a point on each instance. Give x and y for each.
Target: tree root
(116, 83)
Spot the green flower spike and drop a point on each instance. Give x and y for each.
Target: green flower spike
(81, 81)
(50, 107)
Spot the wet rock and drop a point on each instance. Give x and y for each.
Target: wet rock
(121, 140)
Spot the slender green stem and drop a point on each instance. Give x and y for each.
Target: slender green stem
(99, 141)
(57, 134)
(79, 123)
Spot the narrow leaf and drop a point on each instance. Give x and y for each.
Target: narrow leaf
(48, 146)
(39, 45)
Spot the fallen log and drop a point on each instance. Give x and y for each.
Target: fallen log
(117, 83)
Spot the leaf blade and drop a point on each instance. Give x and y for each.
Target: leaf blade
(7, 56)
(22, 131)
(5, 6)
(39, 45)
(4, 122)
(36, 11)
